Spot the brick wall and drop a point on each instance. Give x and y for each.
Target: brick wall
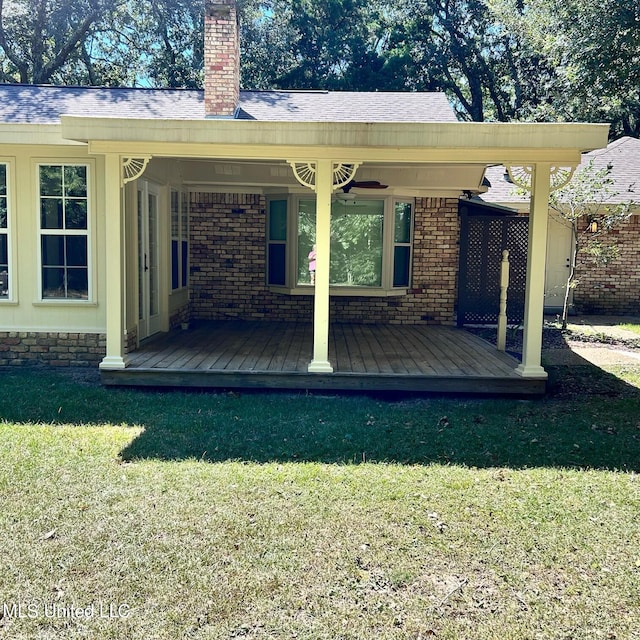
(227, 240)
(180, 316)
(613, 288)
(55, 349)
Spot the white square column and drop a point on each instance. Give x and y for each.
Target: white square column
(531, 366)
(324, 190)
(114, 245)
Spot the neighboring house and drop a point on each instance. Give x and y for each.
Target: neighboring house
(605, 289)
(126, 213)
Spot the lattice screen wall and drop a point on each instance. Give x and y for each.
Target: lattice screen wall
(482, 241)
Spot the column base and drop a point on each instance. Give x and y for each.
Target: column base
(535, 371)
(319, 366)
(113, 362)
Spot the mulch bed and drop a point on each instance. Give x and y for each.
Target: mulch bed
(554, 338)
(574, 381)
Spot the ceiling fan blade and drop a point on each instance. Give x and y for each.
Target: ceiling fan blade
(364, 184)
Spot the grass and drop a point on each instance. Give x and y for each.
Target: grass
(188, 515)
(635, 328)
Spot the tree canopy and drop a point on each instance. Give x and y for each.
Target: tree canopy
(541, 60)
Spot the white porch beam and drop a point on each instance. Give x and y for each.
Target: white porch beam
(115, 357)
(515, 143)
(531, 366)
(324, 189)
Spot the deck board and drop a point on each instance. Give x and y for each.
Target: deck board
(364, 357)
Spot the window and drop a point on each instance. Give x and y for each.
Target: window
(4, 234)
(370, 243)
(401, 243)
(64, 231)
(179, 239)
(277, 243)
(356, 242)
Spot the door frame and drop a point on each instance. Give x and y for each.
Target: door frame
(150, 280)
(557, 262)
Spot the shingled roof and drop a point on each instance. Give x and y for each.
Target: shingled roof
(623, 155)
(44, 104)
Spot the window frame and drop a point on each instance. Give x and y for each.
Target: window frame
(8, 232)
(182, 239)
(292, 287)
(65, 233)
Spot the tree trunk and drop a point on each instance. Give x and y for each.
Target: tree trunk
(570, 279)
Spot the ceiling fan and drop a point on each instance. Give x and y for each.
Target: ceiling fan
(364, 184)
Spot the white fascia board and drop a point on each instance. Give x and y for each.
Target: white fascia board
(35, 134)
(373, 142)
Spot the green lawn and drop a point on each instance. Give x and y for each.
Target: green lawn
(635, 328)
(144, 515)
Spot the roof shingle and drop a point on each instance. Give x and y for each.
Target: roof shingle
(44, 104)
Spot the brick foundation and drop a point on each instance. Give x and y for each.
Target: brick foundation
(228, 244)
(613, 288)
(54, 349)
(179, 317)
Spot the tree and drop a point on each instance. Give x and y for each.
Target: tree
(39, 38)
(102, 42)
(586, 204)
(450, 45)
(589, 53)
(310, 44)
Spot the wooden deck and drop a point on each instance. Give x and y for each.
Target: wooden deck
(364, 357)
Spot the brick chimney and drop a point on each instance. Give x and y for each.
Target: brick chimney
(221, 59)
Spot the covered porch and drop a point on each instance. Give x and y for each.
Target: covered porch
(261, 354)
(321, 159)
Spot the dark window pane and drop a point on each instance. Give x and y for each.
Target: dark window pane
(51, 180)
(174, 265)
(52, 251)
(277, 264)
(53, 283)
(76, 251)
(401, 256)
(3, 179)
(75, 182)
(402, 226)
(4, 267)
(51, 213)
(278, 220)
(76, 214)
(185, 258)
(3, 213)
(77, 283)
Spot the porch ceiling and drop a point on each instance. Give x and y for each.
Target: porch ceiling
(459, 143)
(400, 178)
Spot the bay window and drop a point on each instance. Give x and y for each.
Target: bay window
(370, 244)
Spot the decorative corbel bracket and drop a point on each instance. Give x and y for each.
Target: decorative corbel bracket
(133, 168)
(522, 176)
(305, 173)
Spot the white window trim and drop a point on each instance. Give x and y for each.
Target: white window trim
(183, 207)
(386, 289)
(88, 232)
(12, 297)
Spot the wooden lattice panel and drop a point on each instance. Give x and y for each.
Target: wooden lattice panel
(483, 239)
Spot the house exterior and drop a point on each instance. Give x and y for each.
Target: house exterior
(613, 288)
(126, 213)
